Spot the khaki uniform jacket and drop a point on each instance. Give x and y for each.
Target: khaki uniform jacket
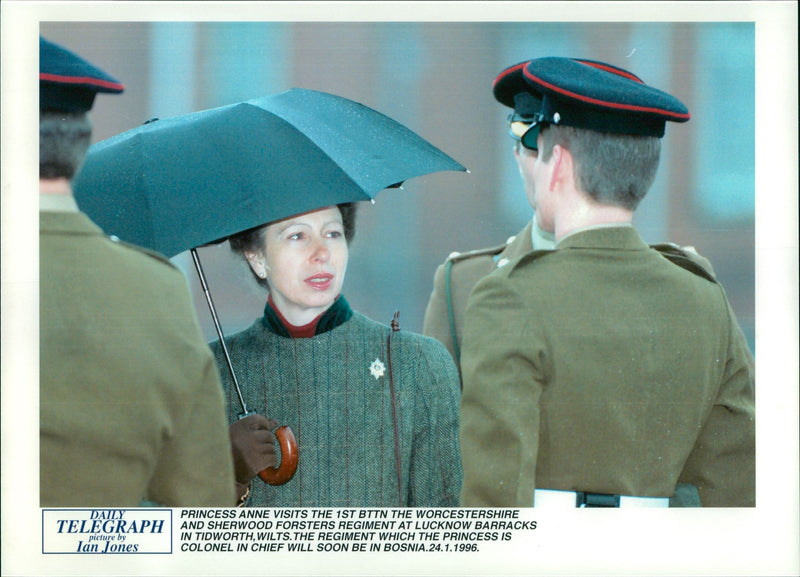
(131, 406)
(444, 321)
(604, 367)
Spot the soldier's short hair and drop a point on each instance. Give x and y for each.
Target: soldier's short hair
(616, 169)
(64, 138)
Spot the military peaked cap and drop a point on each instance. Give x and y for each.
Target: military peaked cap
(510, 89)
(598, 96)
(68, 82)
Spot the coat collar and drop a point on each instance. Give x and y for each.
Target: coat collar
(68, 222)
(619, 237)
(529, 238)
(517, 246)
(337, 314)
(57, 203)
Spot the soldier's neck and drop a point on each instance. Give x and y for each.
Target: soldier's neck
(54, 186)
(585, 213)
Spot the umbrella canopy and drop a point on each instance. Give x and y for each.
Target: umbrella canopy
(178, 183)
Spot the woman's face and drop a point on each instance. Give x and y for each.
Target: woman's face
(304, 260)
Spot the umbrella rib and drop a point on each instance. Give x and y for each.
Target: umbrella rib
(313, 144)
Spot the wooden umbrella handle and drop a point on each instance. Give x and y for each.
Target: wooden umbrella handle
(289, 456)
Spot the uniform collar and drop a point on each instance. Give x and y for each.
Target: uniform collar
(617, 236)
(67, 222)
(529, 238)
(541, 239)
(57, 203)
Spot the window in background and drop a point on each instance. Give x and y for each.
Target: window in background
(725, 92)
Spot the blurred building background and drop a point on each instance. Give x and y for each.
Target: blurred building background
(436, 78)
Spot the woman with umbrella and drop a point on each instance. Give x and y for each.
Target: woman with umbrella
(375, 410)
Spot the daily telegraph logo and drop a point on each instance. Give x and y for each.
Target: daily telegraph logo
(106, 531)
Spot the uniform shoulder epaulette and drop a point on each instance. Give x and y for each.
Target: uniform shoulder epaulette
(490, 252)
(686, 258)
(533, 255)
(140, 249)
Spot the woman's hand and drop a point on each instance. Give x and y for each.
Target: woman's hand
(253, 445)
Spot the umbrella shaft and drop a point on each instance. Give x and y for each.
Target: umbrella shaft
(213, 310)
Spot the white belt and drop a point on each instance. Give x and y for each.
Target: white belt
(566, 499)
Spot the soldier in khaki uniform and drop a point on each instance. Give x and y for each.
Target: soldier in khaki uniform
(131, 406)
(454, 279)
(606, 371)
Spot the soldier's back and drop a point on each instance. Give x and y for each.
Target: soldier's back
(123, 367)
(631, 359)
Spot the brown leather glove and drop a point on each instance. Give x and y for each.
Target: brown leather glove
(254, 446)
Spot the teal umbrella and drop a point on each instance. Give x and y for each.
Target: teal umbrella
(179, 183)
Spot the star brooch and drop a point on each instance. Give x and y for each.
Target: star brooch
(377, 369)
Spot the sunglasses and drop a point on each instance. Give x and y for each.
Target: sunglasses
(525, 129)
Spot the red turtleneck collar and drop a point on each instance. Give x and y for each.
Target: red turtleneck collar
(303, 332)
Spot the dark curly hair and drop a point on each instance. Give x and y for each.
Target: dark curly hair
(253, 239)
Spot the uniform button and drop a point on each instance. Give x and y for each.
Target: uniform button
(502, 262)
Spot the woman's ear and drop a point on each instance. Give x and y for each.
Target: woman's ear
(258, 262)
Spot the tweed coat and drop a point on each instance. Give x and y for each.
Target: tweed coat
(130, 401)
(465, 269)
(604, 367)
(334, 391)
